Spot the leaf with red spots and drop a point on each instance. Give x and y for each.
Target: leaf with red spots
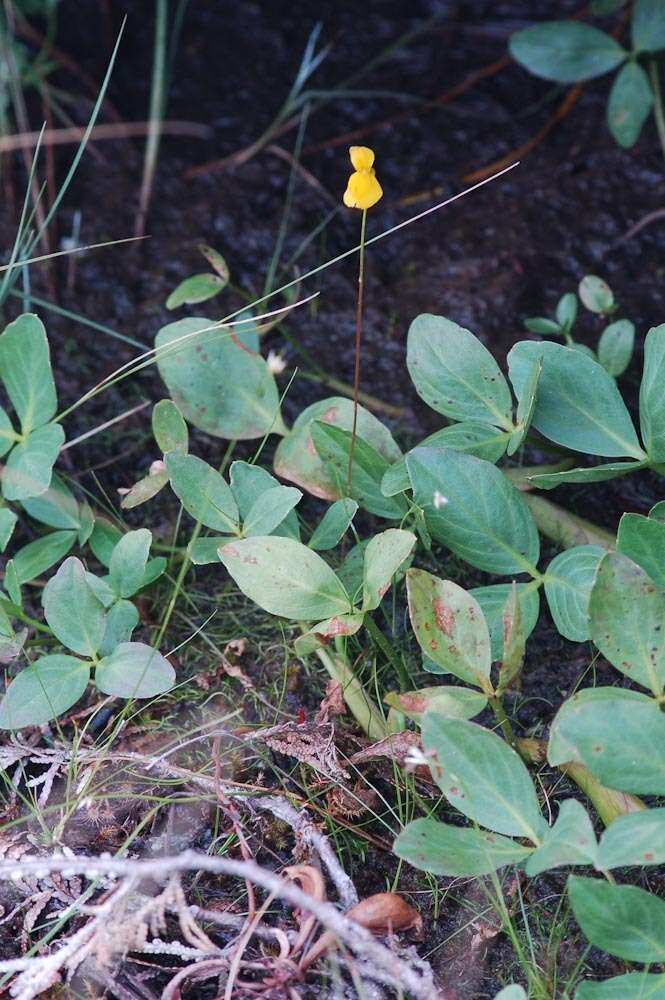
(450, 627)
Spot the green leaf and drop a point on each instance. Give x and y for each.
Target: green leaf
(543, 326)
(169, 428)
(578, 403)
(636, 838)
(8, 521)
(128, 562)
(446, 699)
(333, 525)
(105, 536)
(526, 407)
(625, 921)
(481, 440)
(25, 364)
(206, 550)
(321, 633)
(455, 374)
(648, 26)
(492, 601)
(566, 51)
(568, 582)
(36, 557)
(657, 512)
(615, 347)
(134, 670)
(588, 474)
(121, 621)
(248, 483)
(297, 460)
(285, 578)
(514, 641)
(566, 310)
(30, 464)
(632, 986)
(512, 992)
(596, 294)
(44, 690)
(642, 539)
(74, 613)
(203, 492)
(618, 734)
(652, 397)
(571, 841)
(196, 288)
(452, 850)
(482, 777)
(629, 105)
(219, 385)
(57, 507)
(13, 584)
(474, 509)
(450, 627)
(216, 261)
(333, 445)
(8, 436)
(384, 555)
(87, 522)
(270, 509)
(145, 489)
(626, 616)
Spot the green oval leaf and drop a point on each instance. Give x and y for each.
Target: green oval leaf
(36, 557)
(73, 611)
(566, 51)
(43, 691)
(492, 601)
(57, 507)
(482, 777)
(333, 525)
(636, 838)
(595, 294)
(642, 539)
(568, 582)
(450, 627)
(285, 578)
(384, 555)
(30, 464)
(578, 404)
(648, 25)
(622, 919)
(128, 562)
(451, 850)
(203, 492)
(169, 428)
(570, 841)
(474, 509)
(219, 384)
(629, 105)
(632, 986)
(25, 368)
(652, 397)
(618, 735)
(196, 288)
(455, 374)
(134, 670)
(626, 618)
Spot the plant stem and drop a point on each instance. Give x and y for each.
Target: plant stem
(363, 709)
(659, 113)
(385, 647)
(565, 528)
(496, 704)
(359, 329)
(157, 102)
(608, 802)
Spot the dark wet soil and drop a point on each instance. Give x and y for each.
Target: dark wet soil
(503, 253)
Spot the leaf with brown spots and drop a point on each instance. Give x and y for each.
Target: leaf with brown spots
(450, 627)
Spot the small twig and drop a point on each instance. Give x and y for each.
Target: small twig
(116, 130)
(379, 962)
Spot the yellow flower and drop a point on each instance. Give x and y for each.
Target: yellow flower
(363, 189)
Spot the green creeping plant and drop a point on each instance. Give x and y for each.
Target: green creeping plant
(616, 342)
(93, 619)
(571, 51)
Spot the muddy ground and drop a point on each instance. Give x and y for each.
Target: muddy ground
(503, 253)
